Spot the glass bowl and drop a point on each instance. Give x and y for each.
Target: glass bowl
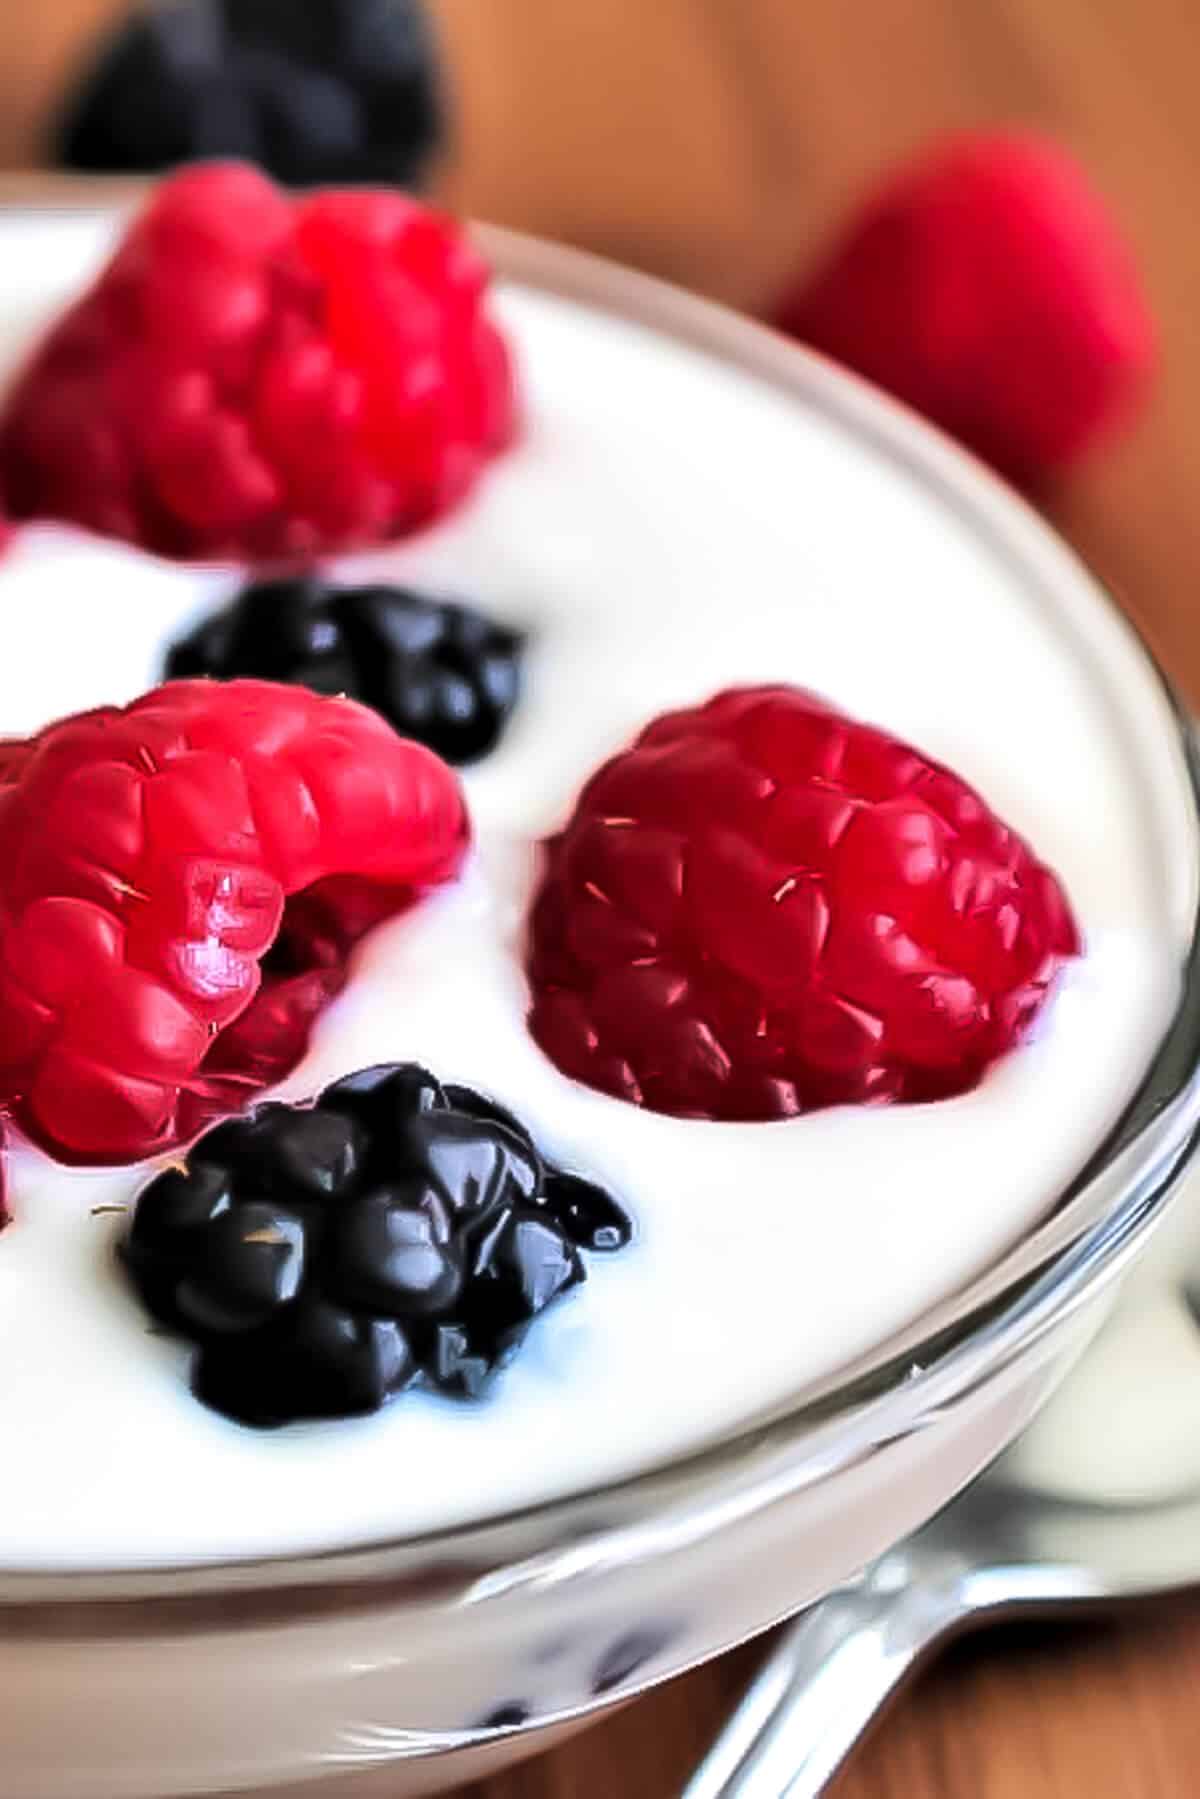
(420, 1663)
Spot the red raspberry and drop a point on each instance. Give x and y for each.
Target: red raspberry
(763, 907)
(181, 883)
(259, 378)
(987, 286)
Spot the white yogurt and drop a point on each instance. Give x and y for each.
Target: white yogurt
(667, 527)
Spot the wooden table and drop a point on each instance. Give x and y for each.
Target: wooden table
(719, 142)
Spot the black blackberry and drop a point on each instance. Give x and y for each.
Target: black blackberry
(324, 1257)
(439, 671)
(315, 91)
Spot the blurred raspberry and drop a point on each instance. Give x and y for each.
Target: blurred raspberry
(987, 286)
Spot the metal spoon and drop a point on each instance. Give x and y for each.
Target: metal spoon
(997, 1549)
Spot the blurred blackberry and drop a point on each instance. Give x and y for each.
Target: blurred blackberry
(322, 1258)
(438, 671)
(312, 90)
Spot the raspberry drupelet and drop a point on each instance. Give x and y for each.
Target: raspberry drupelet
(763, 907)
(263, 379)
(181, 884)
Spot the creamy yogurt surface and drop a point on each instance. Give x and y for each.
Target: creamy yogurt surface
(668, 526)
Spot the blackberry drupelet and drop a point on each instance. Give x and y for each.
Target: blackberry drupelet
(322, 1258)
(438, 671)
(326, 91)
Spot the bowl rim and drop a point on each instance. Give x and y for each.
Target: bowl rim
(901, 1384)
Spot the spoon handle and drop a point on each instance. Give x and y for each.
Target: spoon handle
(830, 1674)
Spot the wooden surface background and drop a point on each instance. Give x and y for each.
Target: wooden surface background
(720, 142)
